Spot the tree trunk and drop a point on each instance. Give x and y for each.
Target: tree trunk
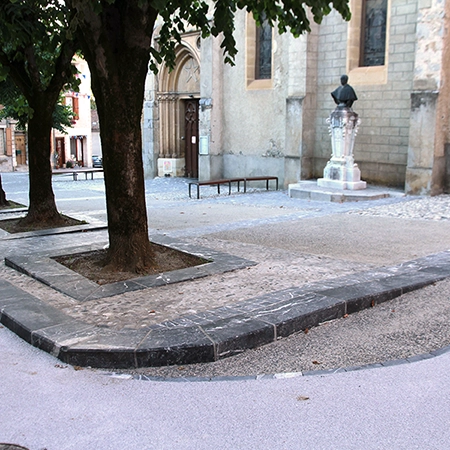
(3, 201)
(42, 207)
(116, 46)
(129, 245)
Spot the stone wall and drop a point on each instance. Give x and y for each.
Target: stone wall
(428, 171)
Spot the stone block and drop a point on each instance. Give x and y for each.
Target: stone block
(29, 315)
(234, 335)
(301, 312)
(183, 345)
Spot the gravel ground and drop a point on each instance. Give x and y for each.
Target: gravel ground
(413, 324)
(410, 325)
(294, 242)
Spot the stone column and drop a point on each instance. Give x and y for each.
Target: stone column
(341, 171)
(427, 171)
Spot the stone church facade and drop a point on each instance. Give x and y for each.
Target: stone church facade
(267, 114)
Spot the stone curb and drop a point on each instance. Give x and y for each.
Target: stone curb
(214, 334)
(42, 267)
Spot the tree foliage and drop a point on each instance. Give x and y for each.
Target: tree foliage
(217, 18)
(15, 106)
(34, 45)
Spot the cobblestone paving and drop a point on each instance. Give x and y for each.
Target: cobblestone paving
(276, 270)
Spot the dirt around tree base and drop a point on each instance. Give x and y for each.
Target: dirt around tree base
(91, 264)
(14, 225)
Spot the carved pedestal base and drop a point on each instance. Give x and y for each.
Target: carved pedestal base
(341, 172)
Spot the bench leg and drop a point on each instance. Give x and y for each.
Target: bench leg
(75, 176)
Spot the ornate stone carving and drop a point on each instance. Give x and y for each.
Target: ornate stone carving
(341, 171)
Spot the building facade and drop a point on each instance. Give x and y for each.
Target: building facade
(13, 155)
(267, 114)
(74, 147)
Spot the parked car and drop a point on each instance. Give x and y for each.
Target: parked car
(97, 161)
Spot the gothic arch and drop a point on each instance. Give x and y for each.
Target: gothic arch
(183, 82)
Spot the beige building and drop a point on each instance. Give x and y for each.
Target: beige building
(13, 154)
(267, 114)
(76, 145)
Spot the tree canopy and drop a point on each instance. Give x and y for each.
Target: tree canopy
(15, 106)
(217, 18)
(36, 55)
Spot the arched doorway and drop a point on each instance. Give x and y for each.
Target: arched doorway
(178, 99)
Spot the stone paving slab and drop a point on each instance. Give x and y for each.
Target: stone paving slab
(227, 331)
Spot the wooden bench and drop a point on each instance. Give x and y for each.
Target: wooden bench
(217, 183)
(76, 172)
(228, 181)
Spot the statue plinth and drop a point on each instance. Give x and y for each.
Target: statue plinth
(341, 171)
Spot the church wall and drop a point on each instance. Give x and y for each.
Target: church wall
(254, 120)
(279, 127)
(384, 104)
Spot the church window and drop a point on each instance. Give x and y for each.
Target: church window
(258, 54)
(368, 42)
(263, 62)
(373, 33)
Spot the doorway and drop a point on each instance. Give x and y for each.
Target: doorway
(21, 149)
(60, 153)
(77, 150)
(191, 137)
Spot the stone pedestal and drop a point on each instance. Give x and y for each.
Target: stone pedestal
(341, 171)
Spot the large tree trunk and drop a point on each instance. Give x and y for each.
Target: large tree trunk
(116, 46)
(42, 207)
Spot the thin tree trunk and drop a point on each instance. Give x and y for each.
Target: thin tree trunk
(42, 207)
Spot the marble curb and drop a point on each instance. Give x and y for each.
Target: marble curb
(217, 333)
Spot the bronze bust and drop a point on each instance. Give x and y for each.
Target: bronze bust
(344, 95)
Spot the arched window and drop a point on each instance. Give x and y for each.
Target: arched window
(373, 33)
